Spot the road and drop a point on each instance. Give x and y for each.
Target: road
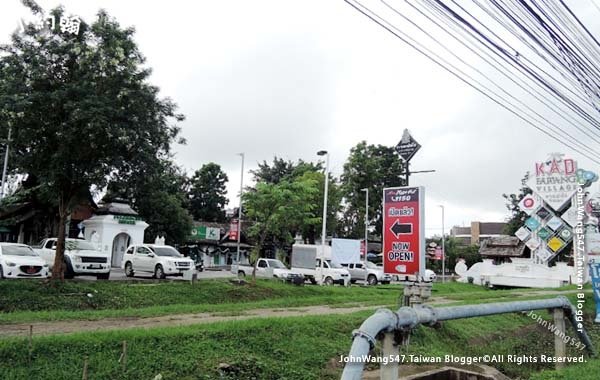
(117, 274)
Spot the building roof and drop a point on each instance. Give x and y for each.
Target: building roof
(505, 246)
(115, 207)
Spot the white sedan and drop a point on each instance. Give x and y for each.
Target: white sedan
(20, 261)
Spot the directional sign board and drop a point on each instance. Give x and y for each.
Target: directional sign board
(403, 231)
(407, 147)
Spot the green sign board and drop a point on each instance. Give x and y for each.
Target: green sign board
(126, 219)
(205, 233)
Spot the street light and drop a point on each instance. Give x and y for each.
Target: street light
(324, 229)
(5, 163)
(443, 247)
(239, 229)
(366, 190)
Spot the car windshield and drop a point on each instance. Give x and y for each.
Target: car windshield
(276, 264)
(166, 251)
(370, 265)
(334, 265)
(17, 250)
(80, 245)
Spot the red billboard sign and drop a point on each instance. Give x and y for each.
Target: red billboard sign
(403, 231)
(233, 229)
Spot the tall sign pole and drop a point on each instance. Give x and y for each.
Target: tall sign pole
(406, 148)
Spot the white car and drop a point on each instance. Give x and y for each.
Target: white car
(20, 261)
(160, 260)
(81, 258)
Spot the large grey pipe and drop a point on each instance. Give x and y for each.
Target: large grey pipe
(385, 320)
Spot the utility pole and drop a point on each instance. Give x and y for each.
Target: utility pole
(324, 229)
(366, 190)
(239, 232)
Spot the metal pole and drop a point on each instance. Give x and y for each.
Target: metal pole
(324, 229)
(390, 350)
(443, 248)
(239, 232)
(366, 190)
(5, 163)
(407, 174)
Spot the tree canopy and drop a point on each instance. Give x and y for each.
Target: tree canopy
(208, 189)
(373, 167)
(276, 210)
(517, 216)
(80, 107)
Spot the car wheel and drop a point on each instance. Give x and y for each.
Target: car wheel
(241, 274)
(103, 276)
(328, 281)
(159, 272)
(372, 280)
(129, 269)
(353, 281)
(312, 280)
(1, 273)
(385, 282)
(69, 274)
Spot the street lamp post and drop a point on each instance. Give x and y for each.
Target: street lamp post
(366, 190)
(324, 228)
(5, 163)
(239, 229)
(443, 247)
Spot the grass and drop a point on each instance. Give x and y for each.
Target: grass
(23, 301)
(270, 348)
(273, 348)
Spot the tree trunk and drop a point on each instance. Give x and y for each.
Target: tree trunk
(58, 271)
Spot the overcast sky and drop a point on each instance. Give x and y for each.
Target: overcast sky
(289, 78)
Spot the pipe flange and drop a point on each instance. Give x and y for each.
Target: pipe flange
(391, 314)
(433, 313)
(363, 334)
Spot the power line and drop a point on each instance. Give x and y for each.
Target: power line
(464, 78)
(567, 47)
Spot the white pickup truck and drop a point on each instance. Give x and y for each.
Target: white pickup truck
(372, 273)
(81, 258)
(268, 268)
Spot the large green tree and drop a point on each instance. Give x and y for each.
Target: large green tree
(517, 216)
(275, 210)
(372, 167)
(157, 190)
(281, 170)
(208, 189)
(80, 107)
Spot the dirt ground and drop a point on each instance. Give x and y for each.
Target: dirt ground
(66, 327)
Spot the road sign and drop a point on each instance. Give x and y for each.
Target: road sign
(555, 180)
(523, 234)
(407, 147)
(233, 230)
(532, 224)
(403, 231)
(544, 233)
(529, 204)
(205, 233)
(555, 244)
